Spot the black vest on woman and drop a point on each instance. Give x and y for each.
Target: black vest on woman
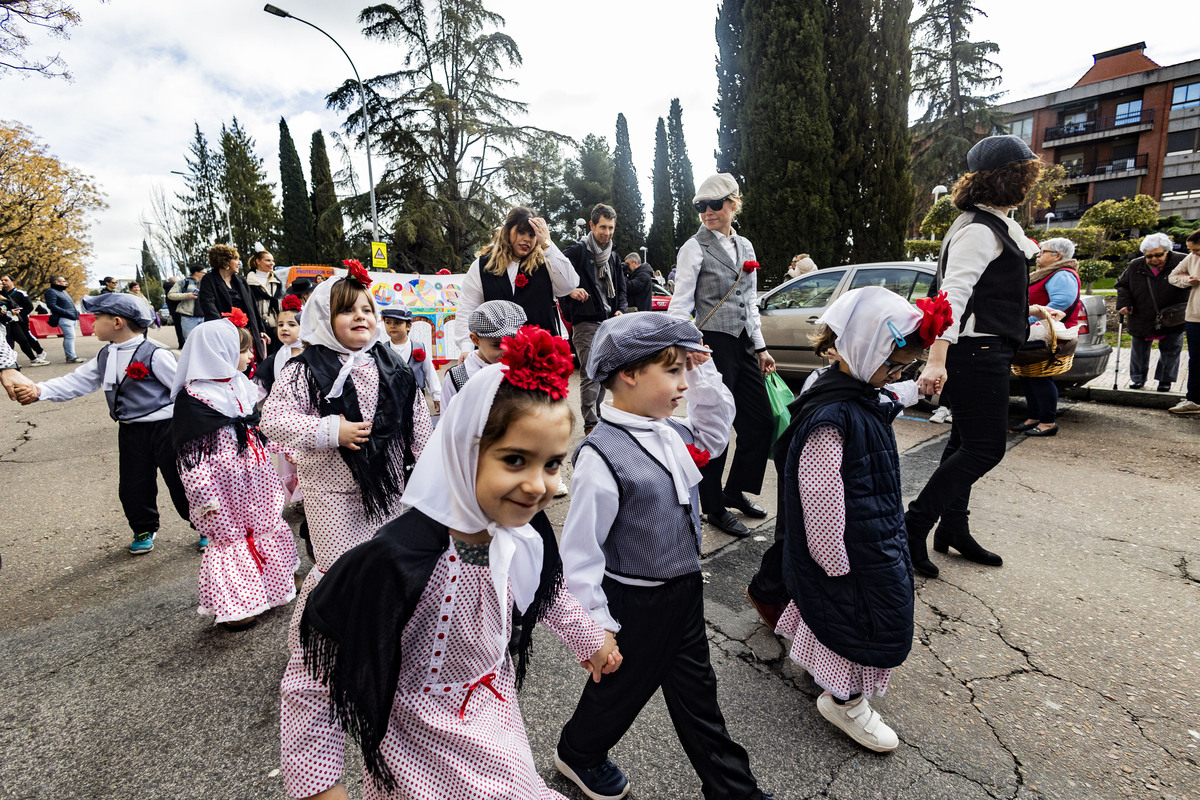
(1000, 299)
(536, 297)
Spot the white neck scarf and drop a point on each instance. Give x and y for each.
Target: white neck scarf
(208, 368)
(110, 369)
(860, 319)
(680, 464)
(443, 487)
(316, 327)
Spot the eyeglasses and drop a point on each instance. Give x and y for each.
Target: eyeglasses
(710, 205)
(897, 367)
(1048, 252)
(1156, 255)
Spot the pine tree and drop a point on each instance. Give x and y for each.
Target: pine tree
(536, 180)
(297, 244)
(250, 197)
(626, 195)
(787, 139)
(683, 184)
(730, 76)
(201, 206)
(588, 177)
(660, 243)
(330, 232)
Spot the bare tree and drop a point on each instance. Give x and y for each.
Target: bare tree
(54, 17)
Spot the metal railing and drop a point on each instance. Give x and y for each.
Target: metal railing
(1145, 116)
(1088, 169)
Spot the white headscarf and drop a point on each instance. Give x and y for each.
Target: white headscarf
(860, 319)
(316, 327)
(208, 368)
(442, 486)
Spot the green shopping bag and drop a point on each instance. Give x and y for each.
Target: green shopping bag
(781, 397)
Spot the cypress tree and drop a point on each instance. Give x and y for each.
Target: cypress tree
(626, 196)
(297, 245)
(660, 243)
(151, 279)
(787, 139)
(890, 196)
(251, 198)
(329, 232)
(683, 185)
(730, 72)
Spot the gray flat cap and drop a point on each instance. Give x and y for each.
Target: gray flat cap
(496, 319)
(118, 304)
(996, 151)
(397, 312)
(630, 338)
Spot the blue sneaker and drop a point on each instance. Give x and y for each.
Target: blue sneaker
(142, 543)
(605, 782)
(202, 545)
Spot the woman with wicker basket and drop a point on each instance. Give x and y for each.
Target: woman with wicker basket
(983, 270)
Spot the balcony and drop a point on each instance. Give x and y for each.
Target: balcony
(1092, 129)
(1091, 171)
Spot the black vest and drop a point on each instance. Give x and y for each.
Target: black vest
(536, 297)
(1000, 299)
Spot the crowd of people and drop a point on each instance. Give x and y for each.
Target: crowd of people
(433, 558)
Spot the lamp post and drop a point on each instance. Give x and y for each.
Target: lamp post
(643, 249)
(279, 12)
(228, 220)
(1049, 216)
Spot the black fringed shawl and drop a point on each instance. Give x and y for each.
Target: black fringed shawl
(353, 621)
(381, 465)
(195, 425)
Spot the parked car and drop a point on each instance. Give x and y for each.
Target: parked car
(791, 312)
(660, 298)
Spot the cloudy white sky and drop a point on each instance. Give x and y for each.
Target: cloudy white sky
(145, 70)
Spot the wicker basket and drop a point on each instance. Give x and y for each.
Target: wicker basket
(1054, 359)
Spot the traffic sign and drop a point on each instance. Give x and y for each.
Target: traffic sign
(379, 256)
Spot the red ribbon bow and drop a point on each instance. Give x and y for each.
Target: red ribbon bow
(237, 317)
(137, 370)
(486, 682)
(255, 553)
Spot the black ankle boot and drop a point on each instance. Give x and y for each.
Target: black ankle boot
(919, 553)
(967, 547)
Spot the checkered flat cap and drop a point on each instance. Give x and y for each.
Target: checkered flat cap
(496, 319)
(630, 338)
(996, 151)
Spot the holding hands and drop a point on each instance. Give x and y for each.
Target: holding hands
(18, 386)
(605, 660)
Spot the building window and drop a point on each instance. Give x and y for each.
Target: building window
(1184, 187)
(1115, 190)
(1186, 96)
(1182, 142)
(1129, 113)
(1022, 128)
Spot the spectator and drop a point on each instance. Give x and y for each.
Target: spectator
(135, 288)
(639, 284)
(186, 293)
(17, 307)
(223, 290)
(107, 284)
(64, 316)
(302, 288)
(1142, 291)
(173, 308)
(1187, 275)
(801, 265)
(267, 291)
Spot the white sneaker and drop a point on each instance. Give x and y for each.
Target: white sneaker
(860, 722)
(40, 361)
(942, 414)
(1185, 407)
(563, 490)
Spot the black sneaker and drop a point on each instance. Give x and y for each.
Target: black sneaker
(605, 782)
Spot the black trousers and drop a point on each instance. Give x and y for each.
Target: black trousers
(146, 448)
(977, 393)
(1041, 395)
(738, 364)
(19, 336)
(664, 644)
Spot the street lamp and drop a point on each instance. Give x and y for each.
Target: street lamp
(1049, 216)
(643, 249)
(225, 197)
(279, 12)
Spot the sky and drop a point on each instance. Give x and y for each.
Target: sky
(146, 71)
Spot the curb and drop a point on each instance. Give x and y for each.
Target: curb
(1125, 397)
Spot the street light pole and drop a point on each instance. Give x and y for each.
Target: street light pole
(279, 12)
(1049, 217)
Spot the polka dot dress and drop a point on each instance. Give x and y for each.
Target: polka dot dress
(456, 731)
(823, 496)
(235, 500)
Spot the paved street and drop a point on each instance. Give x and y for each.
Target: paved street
(1070, 672)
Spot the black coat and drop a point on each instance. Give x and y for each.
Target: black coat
(591, 310)
(217, 299)
(1133, 292)
(639, 287)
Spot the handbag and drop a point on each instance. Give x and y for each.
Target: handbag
(1170, 317)
(780, 397)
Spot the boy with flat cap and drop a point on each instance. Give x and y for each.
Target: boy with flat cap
(136, 375)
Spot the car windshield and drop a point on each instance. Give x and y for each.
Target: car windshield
(811, 291)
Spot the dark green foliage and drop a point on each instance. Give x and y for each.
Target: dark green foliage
(588, 178)
(683, 184)
(787, 138)
(730, 72)
(660, 243)
(940, 217)
(626, 196)
(330, 233)
(536, 179)
(1091, 271)
(922, 249)
(201, 207)
(151, 279)
(251, 199)
(297, 244)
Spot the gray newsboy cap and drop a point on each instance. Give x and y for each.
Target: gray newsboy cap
(996, 151)
(632, 337)
(496, 319)
(132, 308)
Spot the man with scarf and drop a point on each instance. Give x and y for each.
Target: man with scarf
(603, 281)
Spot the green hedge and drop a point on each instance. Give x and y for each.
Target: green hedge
(922, 249)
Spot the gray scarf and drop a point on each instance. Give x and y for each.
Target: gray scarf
(603, 274)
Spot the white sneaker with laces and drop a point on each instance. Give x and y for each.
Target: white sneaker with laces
(40, 361)
(860, 722)
(1185, 407)
(942, 415)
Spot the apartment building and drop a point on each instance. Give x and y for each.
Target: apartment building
(1128, 126)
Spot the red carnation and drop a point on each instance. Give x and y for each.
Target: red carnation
(699, 456)
(521, 281)
(237, 317)
(938, 316)
(749, 266)
(538, 361)
(292, 303)
(357, 272)
(137, 370)
(418, 354)
(443, 272)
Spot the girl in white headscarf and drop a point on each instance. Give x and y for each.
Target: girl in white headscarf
(234, 494)
(408, 633)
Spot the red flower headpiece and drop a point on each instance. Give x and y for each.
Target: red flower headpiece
(443, 272)
(237, 317)
(292, 303)
(538, 361)
(137, 370)
(938, 318)
(699, 456)
(357, 272)
(749, 266)
(521, 281)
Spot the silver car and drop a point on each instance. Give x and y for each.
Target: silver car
(791, 312)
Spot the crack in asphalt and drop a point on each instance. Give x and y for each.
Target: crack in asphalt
(1182, 566)
(26, 437)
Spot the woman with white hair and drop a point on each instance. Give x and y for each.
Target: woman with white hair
(1054, 285)
(1143, 290)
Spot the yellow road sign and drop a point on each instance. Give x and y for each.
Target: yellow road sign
(379, 256)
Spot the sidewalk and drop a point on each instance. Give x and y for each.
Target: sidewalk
(1101, 388)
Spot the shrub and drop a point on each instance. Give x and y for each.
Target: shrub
(1091, 271)
(939, 218)
(922, 249)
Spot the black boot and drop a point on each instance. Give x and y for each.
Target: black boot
(918, 551)
(967, 547)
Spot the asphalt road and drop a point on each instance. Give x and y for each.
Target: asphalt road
(1070, 672)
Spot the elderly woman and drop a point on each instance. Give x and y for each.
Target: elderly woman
(1187, 276)
(983, 271)
(1053, 285)
(1142, 291)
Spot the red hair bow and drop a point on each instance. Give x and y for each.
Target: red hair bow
(237, 317)
(292, 303)
(537, 361)
(137, 370)
(357, 272)
(938, 317)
